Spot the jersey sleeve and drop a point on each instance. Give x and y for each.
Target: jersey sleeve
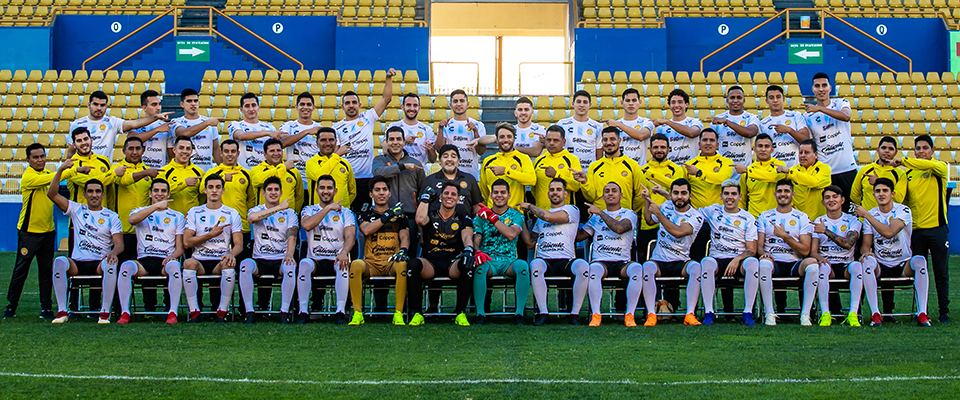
(72, 208)
(348, 217)
(233, 127)
(697, 123)
(806, 228)
(868, 227)
(590, 226)
(181, 224)
(856, 225)
(905, 215)
(573, 214)
(632, 217)
(371, 115)
(190, 221)
(115, 225)
(751, 228)
(236, 224)
(696, 221)
(799, 121)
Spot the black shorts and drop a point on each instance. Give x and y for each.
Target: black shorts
(786, 269)
(613, 267)
(886, 271)
(324, 267)
(671, 268)
(558, 267)
(723, 263)
(839, 270)
(87, 267)
(441, 264)
(268, 267)
(209, 265)
(153, 265)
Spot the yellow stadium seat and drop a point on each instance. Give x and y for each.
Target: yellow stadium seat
(588, 77)
(604, 77)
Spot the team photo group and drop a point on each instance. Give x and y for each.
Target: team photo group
(733, 202)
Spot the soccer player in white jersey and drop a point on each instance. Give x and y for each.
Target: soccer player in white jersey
(275, 232)
(98, 240)
(299, 135)
(202, 131)
(459, 130)
(418, 137)
(331, 234)
(886, 251)
(529, 136)
(215, 233)
(736, 128)
(682, 131)
(785, 235)
(251, 132)
(829, 123)
(835, 237)
(635, 130)
(583, 133)
(103, 128)
(158, 136)
(787, 128)
(733, 250)
(679, 225)
(159, 247)
(554, 237)
(612, 231)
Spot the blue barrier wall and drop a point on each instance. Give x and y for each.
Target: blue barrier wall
(310, 40)
(599, 49)
(74, 38)
(382, 48)
(690, 39)
(921, 39)
(26, 48)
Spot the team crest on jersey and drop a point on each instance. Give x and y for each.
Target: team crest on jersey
(793, 223)
(925, 176)
(514, 166)
(889, 220)
(281, 220)
(507, 221)
(637, 127)
(103, 169)
(530, 135)
(102, 127)
(716, 169)
(343, 170)
(454, 226)
(843, 228)
(166, 220)
(242, 182)
(787, 123)
(359, 124)
(589, 131)
(560, 166)
(289, 180)
(23, 251)
(222, 219)
(743, 123)
(420, 135)
(617, 218)
(736, 223)
(100, 221)
(463, 184)
(623, 173)
(336, 218)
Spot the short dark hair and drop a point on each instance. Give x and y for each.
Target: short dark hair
(627, 91)
(558, 129)
(762, 136)
(273, 180)
(680, 182)
(448, 147)
(812, 143)
(348, 93)
(35, 146)
(271, 142)
(327, 177)
(773, 88)
(660, 136)
(885, 182)
(160, 181)
(888, 139)
(181, 139)
(709, 130)
(213, 177)
(248, 96)
(505, 125)
(679, 92)
(500, 182)
(410, 95)
(447, 184)
(98, 94)
(583, 93)
(132, 139)
(732, 88)
(560, 181)
(93, 181)
(326, 129)
(188, 92)
(821, 75)
(921, 138)
(392, 129)
(460, 92)
(377, 179)
(230, 141)
(784, 182)
(146, 95)
(306, 95)
(75, 132)
(524, 100)
(610, 129)
(834, 188)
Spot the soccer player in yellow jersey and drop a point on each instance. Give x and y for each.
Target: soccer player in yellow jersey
(882, 167)
(507, 164)
(758, 182)
(612, 167)
(328, 161)
(706, 172)
(273, 165)
(132, 191)
(238, 191)
(88, 165)
(183, 176)
(809, 178)
(36, 234)
(557, 162)
(659, 171)
(927, 200)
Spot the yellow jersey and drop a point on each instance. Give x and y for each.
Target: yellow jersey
(130, 194)
(238, 192)
(183, 197)
(663, 174)
(36, 214)
(99, 169)
(862, 191)
(622, 170)
(758, 186)
(518, 172)
(705, 190)
(808, 185)
(290, 183)
(342, 174)
(561, 162)
(926, 192)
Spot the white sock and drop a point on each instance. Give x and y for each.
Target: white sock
(305, 283)
(191, 286)
(634, 286)
(287, 285)
(708, 282)
(751, 282)
(109, 285)
(766, 285)
(342, 286)
(125, 284)
(227, 282)
(921, 282)
(581, 281)
(60, 266)
(537, 268)
(693, 286)
(856, 285)
(823, 288)
(650, 286)
(247, 266)
(810, 277)
(870, 283)
(595, 287)
(174, 284)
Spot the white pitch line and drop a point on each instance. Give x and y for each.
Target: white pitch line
(484, 381)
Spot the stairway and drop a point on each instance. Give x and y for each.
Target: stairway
(199, 18)
(180, 75)
(835, 59)
(496, 109)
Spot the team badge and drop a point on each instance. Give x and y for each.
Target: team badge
(716, 169)
(221, 220)
(530, 135)
(463, 184)
(281, 220)
(736, 223)
(889, 220)
(514, 166)
(242, 182)
(102, 127)
(560, 166)
(589, 131)
(743, 123)
(336, 218)
(507, 221)
(624, 173)
(454, 226)
(289, 180)
(343, 170)
(23, 251)
(637, 127)
(926, 176)
(103, 169)
(617, 218)
(166, 220)
(359, 124)
(793, 223)
(420, 134)
(787, 123)
(843, 228)
(100, 221)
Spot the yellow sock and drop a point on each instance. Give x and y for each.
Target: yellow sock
(400, 268)
(356, 284)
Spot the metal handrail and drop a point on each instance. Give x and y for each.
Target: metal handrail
(775, 17)
(256, 36)
(433, 77)
(83, 65)
(824, 29)
(572, 82)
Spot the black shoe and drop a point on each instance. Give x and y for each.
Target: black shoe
(519, 320)
(47, 314)
(618, 317)
(251, 318)
(541, 319)
(340, 318)
(890, 319)
(573, 320)
(480, 320)
(193, 318)
(71, 315)
(284, 318)
(944, 318)
(730, 318)
(303, 318)
(220, 320)
(12, 314)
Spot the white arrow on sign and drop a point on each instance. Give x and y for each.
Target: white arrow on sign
(193, 51)
(804, 54)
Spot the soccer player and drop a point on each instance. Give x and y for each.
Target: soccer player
(470, 195)
(612, 229)
(387, 240)
(927, 200)
(557, 162)
(405, 179)
(201, 130)
(885, 165)
(132, 190)
(613, 167)
(214, 232)
(706, 173)
(103, 129)
(158, 136)
(497, 231)
(583, 132)
(299, 136)
(183, 176)
(758, 181)
(355, 131)
(554, 237)
(36, 233)
(459, 130)
(635, 130)
(659, 171)
(329, 161)
(447, 250)
(733, 250)
(331, 235)
(98, 242)
(680, 129)
(829, 124)
(251, 133)
(786, 128)
(273, 165)
(159, 243)
(735, 128)
(528, 136)
(785, 233)
(418, 137)
(835, 237)
(238, 190)
(87, 165)
(508, 165)
(886, 251)
(275, 229)
(810, 177)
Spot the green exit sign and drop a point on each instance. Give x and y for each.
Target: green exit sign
(193, 50)
(806, 53)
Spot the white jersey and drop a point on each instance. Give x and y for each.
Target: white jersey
(527, 137)
(303, 149)
(325, 241)
(201, 220)
(423, 134)
(893, 251)
(155, 149)
(607, 244)
(729, 232)
(583, 139)
(456, 133)
(733, 146)
(251, 151)
(203, 141)
(633, 148)
(103, 133)
(795, 222)
(840, 227)
(785, 147)
(670, 248)
(358, 134)
(834, 143)
(92, 231)
(558, 241)
(157, 233)
(270, 234)
(682, 148)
